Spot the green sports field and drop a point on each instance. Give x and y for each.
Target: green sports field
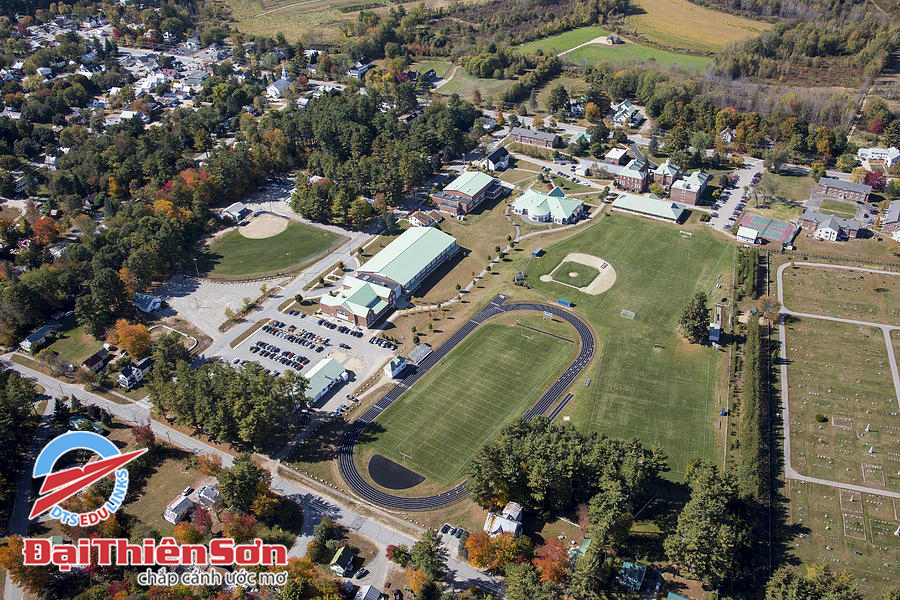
(646, 381)
(583, 274)
(487, 381)
(235, 255)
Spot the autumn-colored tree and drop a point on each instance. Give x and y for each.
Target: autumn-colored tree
(505, 550)
(418, 579)
(593, 113)
(164, 208)
(240, 528)
(32, 579)
(501, 121)
(202, 520)
(186, 533)
(876, 126)
(46, 231)
(143, 436)
(110, 528)
(398, 554)
(552, 561)
(135, 339)
(265, 503)
(209, 464)
(876, 179)
(129, 281)
(480, 549)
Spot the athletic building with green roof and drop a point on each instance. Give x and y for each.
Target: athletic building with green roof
(466, 192)
(324, 377)
(552, 206)
(650, 206)
(394, 272)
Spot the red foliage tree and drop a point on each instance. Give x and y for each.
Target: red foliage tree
(240, 528)
(143, 436)
(552, 561)
(876, 179)
(46, 231)
(876, 126)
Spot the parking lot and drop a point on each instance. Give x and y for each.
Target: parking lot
(298, 342)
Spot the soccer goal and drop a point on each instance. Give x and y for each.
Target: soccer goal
(685, 233)
(628, 314)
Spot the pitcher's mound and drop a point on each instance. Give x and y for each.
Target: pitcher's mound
(391, 475)
(263, 226)
(605, 278)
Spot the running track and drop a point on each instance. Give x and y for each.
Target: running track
(496, 306)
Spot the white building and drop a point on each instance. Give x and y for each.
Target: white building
(890, 156)
(508, 521)
(747, 234)
(324, 377)
(178, 509)
(395, 367)
(277, 89)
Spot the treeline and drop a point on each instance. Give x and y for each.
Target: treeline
(545, 69)
(17, 397)
(238, 406)
(747, 272)
(864, 45)
(785, 9)
(750, 432)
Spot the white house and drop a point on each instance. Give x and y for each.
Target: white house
(627, 115)
(508, 521)
(35, 339)
(178, 509)
(890, 156)
(747, 234)
(209, 496)
(498, 160)
(133, 374)
(146, 302)
(395, 367)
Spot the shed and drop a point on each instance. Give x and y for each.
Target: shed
(342, 563)
(419, 353)
(747, 234)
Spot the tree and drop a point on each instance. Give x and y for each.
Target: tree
(418, 580)
(480, 549)
(241, 528)
(398, 554)
(694, 320)
(202, 519)
(558, 100)
(46, 231)
(476, 97)
(820, 582)
(429, 554)
(135, 339)
(587, 576)
(593, 113)
(186, 533)
(552, 561)
(657, 189)
(876, 179)
(858, 174)
(209, 464)
(769, 307)
(144, 437)
(817, 170)
(523, 583)
(32, 579)
(239, 485)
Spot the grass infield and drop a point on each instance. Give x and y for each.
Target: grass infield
(491, 378)
(235, 255)
(583, 274)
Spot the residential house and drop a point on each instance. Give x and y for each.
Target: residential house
(367, 592)
(429, 76)
(891, 221)
(422, 218)
(690, 190)
(235, 211)
(133, 373)
(612, 39)
(178, 509)
(95, 361)
(209, 496)
(633, 177)
(666, 173)
(616, 156)
(889, 156)
(509, 520)
(146, 302)
(842, 190)
(466, 192)
(36, 339)
(727, 135)
(324, 377)
(395, 367)
(552, 206)
(342, 562)
(627, 115)
(193, 82)
(498, 160)
(359, 70)
(531, 137)
(651, 207)
(632, 575)
(828, 227)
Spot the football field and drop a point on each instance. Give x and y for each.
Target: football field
(490, 379)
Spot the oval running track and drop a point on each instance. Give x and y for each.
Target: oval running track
(497, 306)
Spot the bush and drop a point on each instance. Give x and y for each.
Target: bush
(821, 418)
(704, 218)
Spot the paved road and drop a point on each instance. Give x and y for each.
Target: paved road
(314, 504)
(495, 307)
(789, 471)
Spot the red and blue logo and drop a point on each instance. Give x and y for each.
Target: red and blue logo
(59, 486)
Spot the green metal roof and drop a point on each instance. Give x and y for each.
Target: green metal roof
(674, 596)
(650, 205)
(359, 297)
(469, 183)
(666, 168)
(409, 254)
(321, 376)
(537, 203)
(635, 168)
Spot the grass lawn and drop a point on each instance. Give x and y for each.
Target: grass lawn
(518, 177)
(464, 84)
(568, 186)
(685, 25)
(839, 372)
(838, 208)
(234, 255)
(776, 209)
(564, 41)
(487, 381)
(792, 187)
(171, 477)
(573, 85)
(643, 367)
(441, 67)
(841, 293)
(638, 53)
(73, 343)
(583, 274)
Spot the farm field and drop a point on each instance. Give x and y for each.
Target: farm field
(843, 293)
(847, 530)
(844, 416)
(838, 208)
(643, 366)
(565, 41)
(464, 84)
(486, 382)
(635, 52)
(684, 25)
(235, 255)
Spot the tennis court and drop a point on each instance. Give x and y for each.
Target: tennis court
(771, 229)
